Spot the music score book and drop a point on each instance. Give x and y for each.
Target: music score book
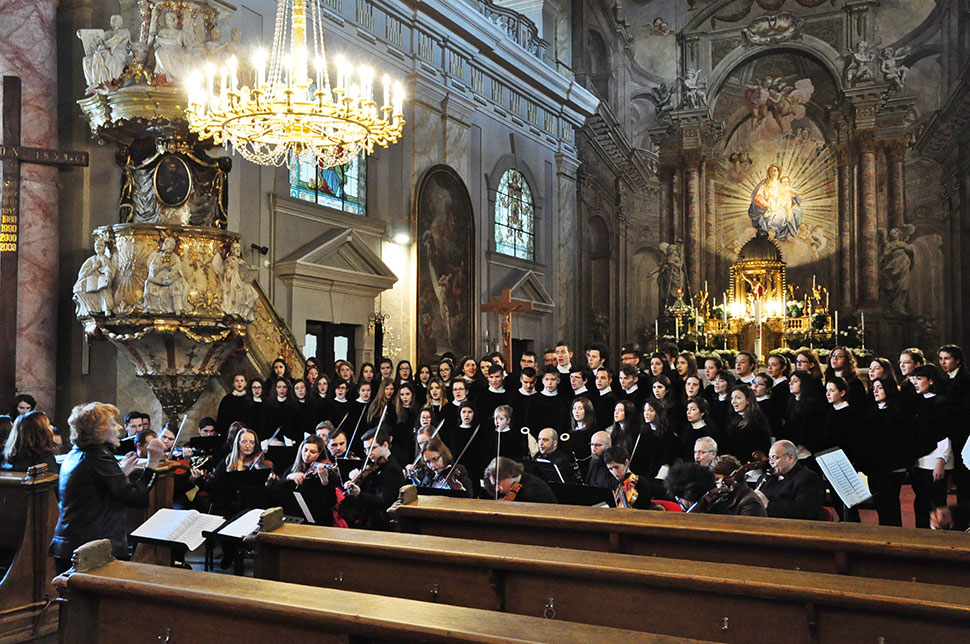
(843, 476)
(178, 526)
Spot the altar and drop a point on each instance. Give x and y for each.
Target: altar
(760, 312)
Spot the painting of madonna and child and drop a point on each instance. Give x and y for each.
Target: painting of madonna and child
(777, 174)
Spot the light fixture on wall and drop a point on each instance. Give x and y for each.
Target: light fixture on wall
(286, 114)
(401, 237)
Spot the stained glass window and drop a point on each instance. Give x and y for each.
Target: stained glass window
(342, 187)
(514, 217)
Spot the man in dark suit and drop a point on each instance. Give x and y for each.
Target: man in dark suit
(795, 492)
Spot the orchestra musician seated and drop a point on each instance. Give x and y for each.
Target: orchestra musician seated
(549, 451)
(631, 491)
(440, 472)
(507, 480)
(310, 476)
(337, 444)
(741, 500)
(688, 483)
(597, 474)
(142, 439)
(705, 451)
(375, 487)
(793, 491)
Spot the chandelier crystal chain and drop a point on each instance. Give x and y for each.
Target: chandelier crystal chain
(286, 114)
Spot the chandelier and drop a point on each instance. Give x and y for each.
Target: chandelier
(286, 114)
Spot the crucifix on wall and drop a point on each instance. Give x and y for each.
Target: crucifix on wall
(12, 154)
(506, 306)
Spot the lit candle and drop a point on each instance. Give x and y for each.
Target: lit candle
(862, 320)
(705, 286)
(210, 72)
(677, 328)
(259, 63)
(340, 74)
(233, 81)
(836, 327)
(813, 282)
(826, 300)
(387, 92)
(656, 330)
(398, 99)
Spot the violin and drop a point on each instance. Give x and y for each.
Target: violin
(375, 465)
(513, 491)
(626, 493)
(729, 483)
(446, 482)
(260, 462)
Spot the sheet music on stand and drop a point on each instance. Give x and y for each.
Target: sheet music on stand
(843, 476)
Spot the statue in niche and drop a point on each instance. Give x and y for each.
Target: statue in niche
(670, 273)
(891, 67)
(106, 53)
(92, 290)
(860, 64)
(896, 260)
(170, 53)
(661, 97)
(165, 287)
(776, 205)
(695, 90)
(238, 295)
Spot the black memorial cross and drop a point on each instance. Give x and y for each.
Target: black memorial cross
(12, 154)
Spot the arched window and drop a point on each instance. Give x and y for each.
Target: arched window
(514, 217)
(342, 187)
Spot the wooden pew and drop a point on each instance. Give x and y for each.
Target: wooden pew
(712, 601)
(28, 515)
(843, 548)
(130, 602)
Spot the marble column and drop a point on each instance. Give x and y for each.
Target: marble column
(27, 31)
(692, 220)
(844, 285)
(710, 212)
(868, 221)
(666, 204)
(896, 170)
(569, 244)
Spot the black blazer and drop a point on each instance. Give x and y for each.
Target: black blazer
(94, 494)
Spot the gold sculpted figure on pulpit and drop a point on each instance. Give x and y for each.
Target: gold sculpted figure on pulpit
(238, 295)
(165, 288)
(92, 290)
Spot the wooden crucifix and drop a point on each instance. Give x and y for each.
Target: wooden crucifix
(12, 154)
(506, 306)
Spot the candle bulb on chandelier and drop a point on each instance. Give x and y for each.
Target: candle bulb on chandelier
(320, 63)
(210, 72)
(387, 92)
(233, 80)
(259, 65)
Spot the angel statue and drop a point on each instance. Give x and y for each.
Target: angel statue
(893, 72)
(695, 90)
(896, 259)
(859, 68)
(670, 273)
